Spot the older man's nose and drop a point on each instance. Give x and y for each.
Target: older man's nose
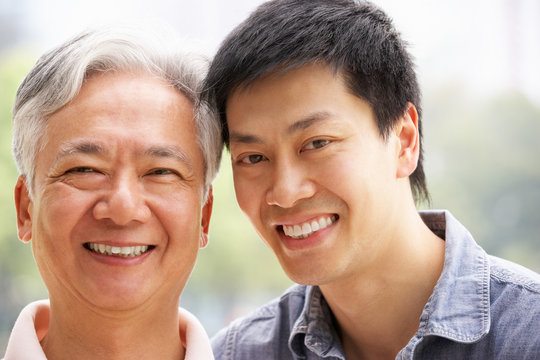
(123, 203)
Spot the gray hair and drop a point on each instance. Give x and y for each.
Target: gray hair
(58, 76)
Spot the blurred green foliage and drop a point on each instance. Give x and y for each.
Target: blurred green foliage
(481, 164)
(19, 279)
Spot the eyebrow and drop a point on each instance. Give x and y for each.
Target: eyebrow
(169, 151)
(84, 147)
(302, 124)
(308, 121)
(156, 151)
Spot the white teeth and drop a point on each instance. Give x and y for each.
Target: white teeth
(306, 229)
(297, 230)
(119, 251)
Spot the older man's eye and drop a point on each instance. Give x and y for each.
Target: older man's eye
(162, 172)
(81, 169)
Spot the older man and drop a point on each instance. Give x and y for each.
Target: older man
(116, 159)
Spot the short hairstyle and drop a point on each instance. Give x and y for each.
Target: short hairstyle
(58, 76)
(354, 38)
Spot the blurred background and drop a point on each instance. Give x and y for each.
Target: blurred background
(478, 63)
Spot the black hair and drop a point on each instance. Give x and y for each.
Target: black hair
(355, 38)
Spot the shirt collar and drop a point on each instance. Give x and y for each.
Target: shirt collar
(33, 323)
(29, 329)
(458, 308)
(314, 328)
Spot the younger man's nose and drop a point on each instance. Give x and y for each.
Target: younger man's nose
(289, 184)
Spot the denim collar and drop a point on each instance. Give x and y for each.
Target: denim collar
(313, 327)
(458, 308)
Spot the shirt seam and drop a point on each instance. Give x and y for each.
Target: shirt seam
(231, 341)
(428, 329)
(506, 281)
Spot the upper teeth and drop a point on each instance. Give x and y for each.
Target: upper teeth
(301, 231)
(123, 251)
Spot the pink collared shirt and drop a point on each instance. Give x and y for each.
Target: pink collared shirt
(33, 322)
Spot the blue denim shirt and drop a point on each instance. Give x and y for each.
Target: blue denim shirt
(482, 307)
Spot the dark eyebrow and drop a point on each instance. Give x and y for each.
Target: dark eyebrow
(309, 120)
(236, 137)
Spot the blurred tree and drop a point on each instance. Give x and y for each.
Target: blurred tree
(482, 165)
(19, 280)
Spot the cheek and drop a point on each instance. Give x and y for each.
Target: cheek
(179, 222)
(60, 210)
(340, 174)
(248, 195)
(180, 216)
(54, 232)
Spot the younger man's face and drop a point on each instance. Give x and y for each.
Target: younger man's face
(313, 174)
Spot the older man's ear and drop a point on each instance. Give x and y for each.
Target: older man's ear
(205, 218)
(23, 205)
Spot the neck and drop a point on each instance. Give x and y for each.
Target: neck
(83, 332)
(378, 311)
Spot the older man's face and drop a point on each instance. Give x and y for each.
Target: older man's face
(117, 215)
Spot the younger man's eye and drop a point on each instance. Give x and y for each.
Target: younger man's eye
(316, 144)
(252, 159)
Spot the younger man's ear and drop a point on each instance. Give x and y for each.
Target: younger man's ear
(23, 206)
(205, 218)
(407, 131)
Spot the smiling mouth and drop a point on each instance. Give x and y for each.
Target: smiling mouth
(303, 230)
(118, 251)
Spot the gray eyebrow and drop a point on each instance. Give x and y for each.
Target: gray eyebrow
(169, 152)
(302, 124)
(84, 147)
(157, 151)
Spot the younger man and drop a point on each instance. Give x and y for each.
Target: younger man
(321, 111)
